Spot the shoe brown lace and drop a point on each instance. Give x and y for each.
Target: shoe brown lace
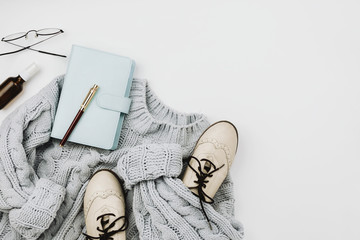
(202, 175)
(105, 231)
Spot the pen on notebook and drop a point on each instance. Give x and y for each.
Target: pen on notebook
(83, 106)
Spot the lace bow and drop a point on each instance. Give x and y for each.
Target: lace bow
(105, 231)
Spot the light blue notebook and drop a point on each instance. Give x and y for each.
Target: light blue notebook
(101, 123)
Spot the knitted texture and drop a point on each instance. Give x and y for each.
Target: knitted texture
(40, 209)
(42, 185)
(148, 162)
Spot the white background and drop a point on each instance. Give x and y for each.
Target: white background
(285, 72)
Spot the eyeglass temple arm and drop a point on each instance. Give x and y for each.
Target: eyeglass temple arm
(1, 54)
(49, 53)
(29, 47)
(54, 54)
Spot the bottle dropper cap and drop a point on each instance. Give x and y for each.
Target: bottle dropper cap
(29, 72)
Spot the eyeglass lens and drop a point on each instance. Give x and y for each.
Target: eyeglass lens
(41, 32)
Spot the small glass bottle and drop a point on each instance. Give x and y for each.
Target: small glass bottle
(12, 86)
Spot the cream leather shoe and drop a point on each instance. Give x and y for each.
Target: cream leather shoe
(211, 160)
(104, 207)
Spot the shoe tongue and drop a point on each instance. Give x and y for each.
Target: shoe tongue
(207, 167)
(106, 218)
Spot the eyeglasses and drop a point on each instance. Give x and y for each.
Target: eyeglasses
(46, 32)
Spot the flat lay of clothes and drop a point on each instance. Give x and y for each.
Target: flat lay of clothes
(42, 185)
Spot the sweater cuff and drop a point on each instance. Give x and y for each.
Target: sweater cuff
(148, 162)
(36, 215)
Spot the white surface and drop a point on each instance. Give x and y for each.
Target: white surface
(285, 72)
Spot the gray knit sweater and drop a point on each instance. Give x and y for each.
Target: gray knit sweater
(42, 185)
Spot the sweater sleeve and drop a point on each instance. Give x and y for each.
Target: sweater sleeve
(150, 161)
(36, 215)
(31, 202)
